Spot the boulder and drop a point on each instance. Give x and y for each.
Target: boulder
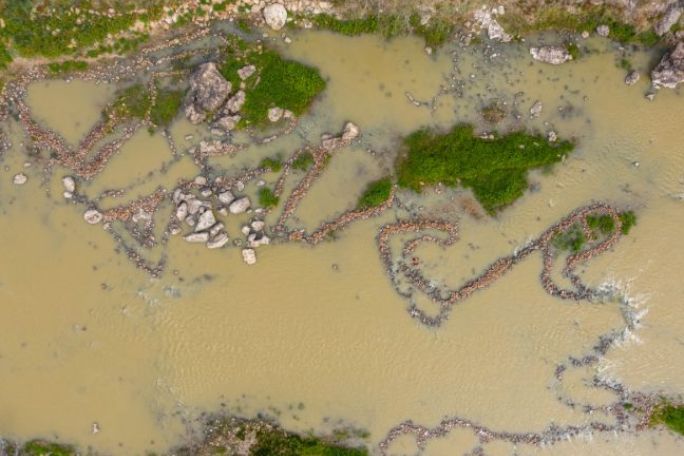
(670, 71)
(219, 241)
(227, 123)
(205, 221)
(275, 114)
(275, 16)
(670, 18)
(69, 184)
(226, 197)
(496, 32)
(235, 103)
(182, 211)
(246, 71)
(603, 30)
(20, 179)
(257, 239)
(351, 131)
(249, 256)
(555, 55)
(208, 91)
(197, 237)
(92, 216)
(632, 77)
(258, 225)
(239, 205)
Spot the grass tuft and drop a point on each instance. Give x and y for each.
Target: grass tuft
(267, 198)
(275, 164)
(671, 416)
(376, 193)
(303, 161)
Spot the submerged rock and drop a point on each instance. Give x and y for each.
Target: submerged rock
(536, 109)
(197, 237)
(92, 216)
(275, 16)
(239, 206)
(632, 77)
(555, 55)
(670, 71)
(208, 91)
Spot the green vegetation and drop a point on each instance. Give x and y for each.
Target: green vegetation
(571, 240)
(303, 161)
(586, 20)
(628, 220)
(54, 30)
(493, 113)
(67, 66)
(166, 106)
(5, 57)
(277, 82)
(603, 224)
(573, 50)
(279, 443)
(625, 64)
(435, 32)
(133, 101)
(671, 416)
(43, 448)
(495, 169)
(275, 164)
(267, 198)
(376, 193)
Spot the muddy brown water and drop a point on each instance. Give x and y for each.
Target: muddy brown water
(317, 336)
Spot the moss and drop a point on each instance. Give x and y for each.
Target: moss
(628, 220)
(275, 164)
(279, 443)
(495, 169)
(166, 106)
(303, 161)
(283, 83)
(43, 448)
(671, 416)
(67, 66)
(267, 198)
(376, 193)
(572, 239)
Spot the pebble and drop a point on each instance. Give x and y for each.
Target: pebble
(69, 184)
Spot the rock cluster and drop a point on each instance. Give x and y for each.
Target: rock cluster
(555, 55)
(670, 71)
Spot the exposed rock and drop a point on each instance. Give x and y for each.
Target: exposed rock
(536, 109)
(226, 197)
(239, 205)
(485, 19)
(275, 114)
(218, 241)
(245, 230)
(197, 237)
(208, 91)
(20, 179)
(632, 77)
(257, 239)
(275, 16)
(142, 216)
(670, 71)
(258, 225)
(670, 18)
(603, 30)
(240, 186)
(496, 32)
(246, 71)
(236, 102)
(249, 256)
(552, 136)
(206, 220)
(69, 184)
(68, 195)
(92, 216)
(194, 205)
(351, 131)
(216, 229)
(227, 123)
(206, 192)
(200, 180)
(555, 55)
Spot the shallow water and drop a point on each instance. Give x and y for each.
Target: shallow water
(88, 338)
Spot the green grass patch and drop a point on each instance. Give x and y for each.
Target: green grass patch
(5, 57)
(283, 83)
(267, 198)
(68, 66)
(435, 32)
(133, 101)
(495, 169)
(303, 161)
(275, 164)
(671, 416)
(573, 50)
(603, 224)
(573, 239)
(626, 65)
(348, 27)
(166, 106)
(628, 220)
(43, 448)
(279, 443)
(376, 193)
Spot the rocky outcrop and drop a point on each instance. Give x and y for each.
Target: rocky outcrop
(670, 18)
(275, 16)
(208, 91)
(670, 71)
(555, 55)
